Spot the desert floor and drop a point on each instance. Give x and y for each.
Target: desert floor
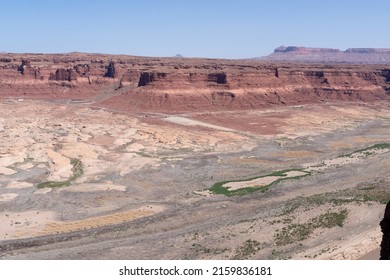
(298, 182)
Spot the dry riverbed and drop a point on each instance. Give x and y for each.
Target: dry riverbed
(308, 182)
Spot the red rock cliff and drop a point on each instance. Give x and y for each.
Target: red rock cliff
(179, 84)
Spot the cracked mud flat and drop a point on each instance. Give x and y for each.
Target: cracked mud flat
(139, 195)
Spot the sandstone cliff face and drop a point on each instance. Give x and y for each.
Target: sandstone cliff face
(146, 78)
(26, 70)
(180, 85)
(63, 75)
(111, 70)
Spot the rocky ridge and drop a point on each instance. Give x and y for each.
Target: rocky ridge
(184, 84)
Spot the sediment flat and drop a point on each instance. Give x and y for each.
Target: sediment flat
(138, 189)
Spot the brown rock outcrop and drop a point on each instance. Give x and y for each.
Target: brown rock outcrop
(25, 64)
(219, 78)
(4, 59)
(145, 79)
(26, 70)
(63, 75)
(130, 78)
(82, 70)
(111, 70)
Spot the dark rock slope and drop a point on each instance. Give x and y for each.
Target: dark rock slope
(385, 226)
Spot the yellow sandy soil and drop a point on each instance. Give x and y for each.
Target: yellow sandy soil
(17, 225)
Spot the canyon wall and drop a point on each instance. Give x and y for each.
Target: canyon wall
(183, 84)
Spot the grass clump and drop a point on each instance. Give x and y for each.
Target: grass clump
(214, 251)
(77, 169)
(293, 233)
(279, 255)
(299, 232)
(250, 247)
(53, 184)
(331, 219)
(378, 192)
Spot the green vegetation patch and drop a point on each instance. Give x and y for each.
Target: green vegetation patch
(368, 151)
(77, 169)
(331, 219)
(205, 250)
(218, 188)
(378, 192)
(299, 232)
(279, 255)
(53, 184)
(250, 247)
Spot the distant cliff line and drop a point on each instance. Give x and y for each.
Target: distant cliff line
(329, 55)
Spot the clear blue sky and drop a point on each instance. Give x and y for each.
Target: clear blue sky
(197, 28)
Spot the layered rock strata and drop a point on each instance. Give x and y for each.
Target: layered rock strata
(183, 84)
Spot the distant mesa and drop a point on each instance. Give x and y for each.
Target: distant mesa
(178, 55)
(329, 55)
(283, 49)
(368, 50)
